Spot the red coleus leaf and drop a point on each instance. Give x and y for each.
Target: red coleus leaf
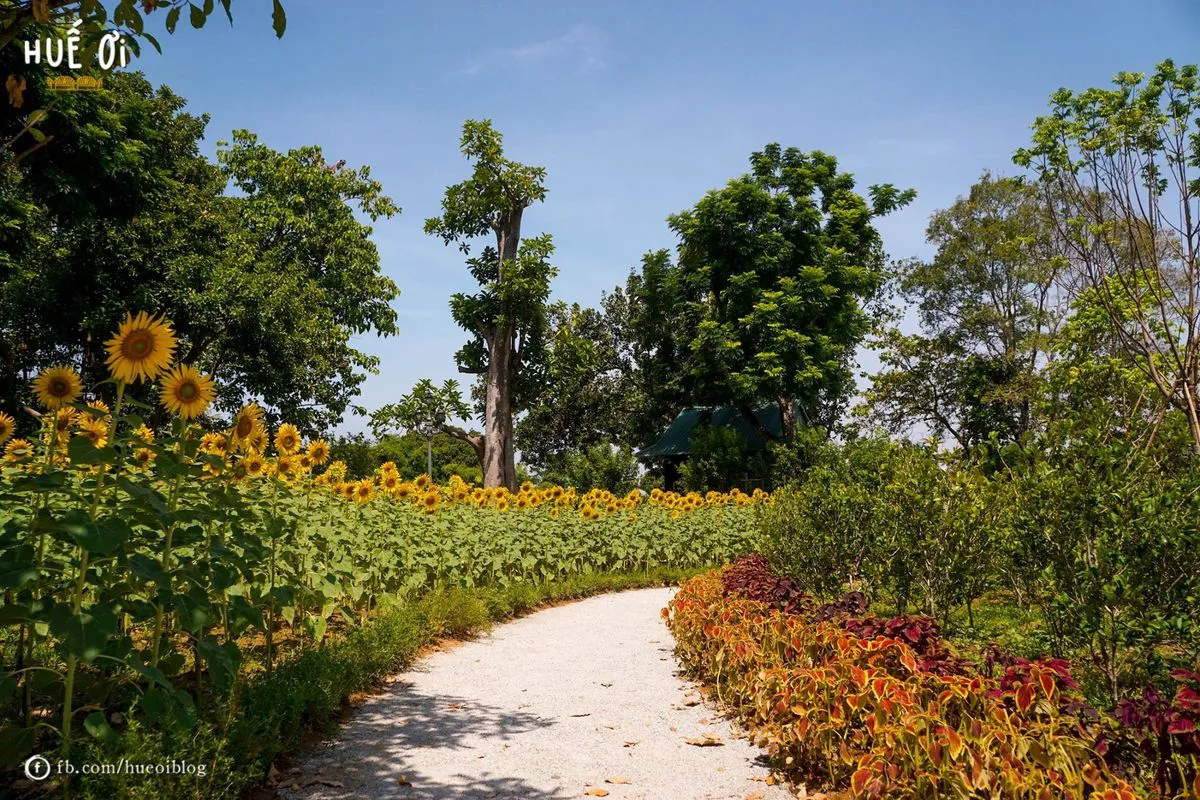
(1181, 724)
(1024, 697)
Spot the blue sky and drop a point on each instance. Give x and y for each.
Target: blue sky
(637, 109)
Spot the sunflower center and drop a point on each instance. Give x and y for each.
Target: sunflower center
(244, 427)
(59, 387)
(137, 345)
(188, 391)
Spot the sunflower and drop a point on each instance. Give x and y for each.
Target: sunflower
(286, 467)
(522, 501)
(318, 451)
(55, 386)
(142, 348)
(247, 427)
(144, 457)
(287, 439)
(364, 490)
(186, 392)
(101, 409)
(214, 444)
(388, 467)
(348, 489)
(422, 481)
(306, 463)
(430, 502)
(389, 481)
(255, 465)
(8, 427)
(502, 504)
(144, 435)
(94, 429)
(18, 450)
(337, 470)
(63, 420)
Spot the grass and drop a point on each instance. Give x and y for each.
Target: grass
(237, 739)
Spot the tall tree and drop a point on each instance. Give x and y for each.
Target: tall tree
(507, 316)
(1124, 164)
(989, 303)
(767, 300)
(427, 410)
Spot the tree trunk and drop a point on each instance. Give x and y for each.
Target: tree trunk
(787, 417)
(498, 469)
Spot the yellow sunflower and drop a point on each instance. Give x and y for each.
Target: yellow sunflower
(144, 435)
(364, 490)
(101, 408)
(94, 429)
(247, 428)
(287, 439)
(8, 426)
(142, 348)
(337, 470)
(306, 463)
(186, 392)
(422, 481)
(286, 467)
(144, 457)
(57, 385)
(63, 420)
(18, 450)
(255, 464)
(214, 444)
(318, 451)
(430, 502)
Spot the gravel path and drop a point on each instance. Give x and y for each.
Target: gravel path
(570, 702)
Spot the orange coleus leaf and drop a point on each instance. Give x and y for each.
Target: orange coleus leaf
(858, 782)
(906, 658)
(1047, 681)
(878, 687)
(1024, 697)
(955, 741)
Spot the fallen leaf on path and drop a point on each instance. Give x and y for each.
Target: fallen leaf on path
(691, 701)
(631, 744)
(587, 714)
(707, 740)
(672, 729)
(597, 793)
(457, 705)
(755, 796)
(612, 727)
(617, 779)
(403, 780)
(606, 685)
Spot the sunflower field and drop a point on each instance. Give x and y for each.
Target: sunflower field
(144, 571)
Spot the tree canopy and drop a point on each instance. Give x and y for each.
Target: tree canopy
(266, 288)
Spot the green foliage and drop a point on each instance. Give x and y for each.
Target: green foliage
(266, 289)
(363, 456)
(766, 302)
(1093, 539)
(600, 466)
(718, 461)
(986, 303)
(1124, 164)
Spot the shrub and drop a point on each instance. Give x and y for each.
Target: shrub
(862, 715)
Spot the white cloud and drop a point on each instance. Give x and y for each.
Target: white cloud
(581, 45)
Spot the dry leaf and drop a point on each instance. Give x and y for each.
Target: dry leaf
(617, 779)
(586, 714)
(457, 705)
(403, 780)
(606, 685)
(631, 744)
(755, 796)
(673, 729)
(707, 740)
(691, 701)
(41, 10)
(16, 90)
(597, 793)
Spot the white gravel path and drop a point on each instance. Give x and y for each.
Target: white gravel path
(547, 707)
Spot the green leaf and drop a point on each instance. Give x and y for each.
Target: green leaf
(223, 661)
(279, 19)
(153, 41)
(197, 15)
(98, 727)
(101, 537)
(173, 18)
(82, 635)
(228, 13)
